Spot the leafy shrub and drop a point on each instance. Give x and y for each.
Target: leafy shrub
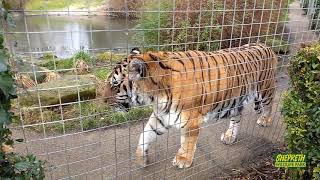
(187, 32)
(208, 25)
(301, 109)
(105, 56)
(53, 64)
(82, 55)
(12, 165)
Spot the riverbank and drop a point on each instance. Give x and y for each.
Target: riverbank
(74, 8)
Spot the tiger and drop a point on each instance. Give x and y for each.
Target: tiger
(186, 88)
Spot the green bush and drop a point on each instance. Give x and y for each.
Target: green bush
(52, 63)
(301, 109)
(12, 165)
(83, 56)
(184, 35)
(57, 64)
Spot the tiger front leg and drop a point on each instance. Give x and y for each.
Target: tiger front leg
(189, 138)
(153, 128)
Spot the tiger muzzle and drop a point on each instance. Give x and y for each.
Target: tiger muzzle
(110, 97)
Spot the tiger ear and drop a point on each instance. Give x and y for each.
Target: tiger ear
(156, 56)
(135, 51)
(137, 69)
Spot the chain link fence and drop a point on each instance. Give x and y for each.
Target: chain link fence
(63, 51)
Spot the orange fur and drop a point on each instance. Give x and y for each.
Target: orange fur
(194, 83)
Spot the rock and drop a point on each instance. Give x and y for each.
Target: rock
(68, 86)
(28, 68)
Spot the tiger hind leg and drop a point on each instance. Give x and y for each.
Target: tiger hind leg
(257, 105)
(266, 107)
(231, 134)
(265, 119)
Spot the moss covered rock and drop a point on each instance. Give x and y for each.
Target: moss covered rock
(68, 86)
(34, 71)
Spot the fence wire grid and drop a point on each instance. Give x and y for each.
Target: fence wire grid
(63, 52)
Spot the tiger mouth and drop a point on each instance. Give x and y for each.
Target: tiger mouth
(121, 107)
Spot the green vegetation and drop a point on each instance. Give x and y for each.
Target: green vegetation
(207, 30)
(183, 37)
(94, 114)
(52, 63)
(60, 5)
(108, 57)
(56, 64)
(102, 73)
(81, 55)
(12, 165)
(76, 116)
(301, 111)
(279, 46)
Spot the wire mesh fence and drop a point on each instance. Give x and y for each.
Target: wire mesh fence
(64, 51)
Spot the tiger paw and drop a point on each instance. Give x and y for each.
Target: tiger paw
(228, 137)
(264, 121)
(182, 162)
(142, 158)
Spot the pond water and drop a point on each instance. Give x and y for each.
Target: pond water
(67, 34)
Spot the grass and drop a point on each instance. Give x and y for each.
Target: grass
(83, 56)
(108, 57)
(87, 115)
(102, 73)
(94, 114)
(59, 5)
(53, 64)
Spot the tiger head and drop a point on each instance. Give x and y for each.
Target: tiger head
(120, 90)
